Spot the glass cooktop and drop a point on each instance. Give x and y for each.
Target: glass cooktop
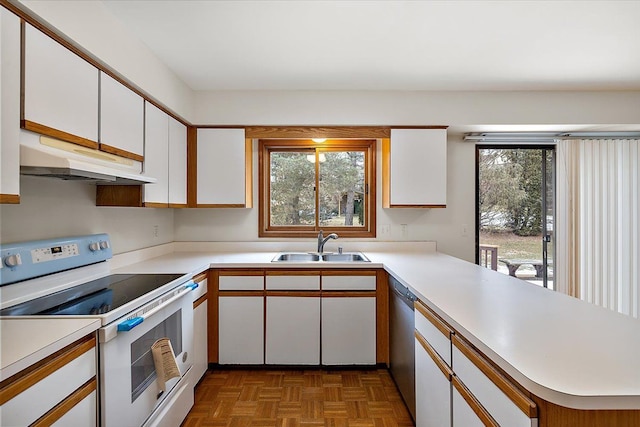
(96, 297)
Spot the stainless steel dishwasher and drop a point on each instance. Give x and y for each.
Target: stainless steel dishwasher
(401, 355)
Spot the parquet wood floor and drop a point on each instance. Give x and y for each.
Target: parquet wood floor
(308, 398)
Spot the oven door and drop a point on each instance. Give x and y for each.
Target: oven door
(129, 386)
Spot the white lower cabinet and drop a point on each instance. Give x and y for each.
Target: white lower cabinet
(63, 388)
(506, 404)
(348, 331)
(241, 330)
(200, 359)
(293, 330)
(433, 386)
(467, 412)
(83, 414)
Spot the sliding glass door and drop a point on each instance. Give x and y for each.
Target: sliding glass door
(515, 211)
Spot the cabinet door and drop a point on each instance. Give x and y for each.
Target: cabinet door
(121, 119)
(200, 360)
(241, 330)
(415, 168)
(434, 330)
(83, 414)
(222, 168)
(9, 107)
(156, 156)
(60, 91)
(506, 404)
(349, 331)
(467, 411)
(37, 399)
(293, 330)
(433, 386)
(177, 163)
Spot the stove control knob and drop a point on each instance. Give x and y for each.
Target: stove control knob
(13, 260)
(95, 246)
(104, 244)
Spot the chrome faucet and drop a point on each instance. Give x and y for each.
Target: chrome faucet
(322, 240)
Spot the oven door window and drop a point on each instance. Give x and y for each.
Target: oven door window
(142, 368)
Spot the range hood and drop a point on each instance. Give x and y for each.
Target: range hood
(48, 157)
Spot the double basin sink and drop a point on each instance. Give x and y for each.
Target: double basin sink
(315, 257)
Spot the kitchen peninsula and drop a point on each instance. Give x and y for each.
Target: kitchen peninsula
(575, 360)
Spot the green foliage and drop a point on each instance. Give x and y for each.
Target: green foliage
(341, 183)
(510, 185)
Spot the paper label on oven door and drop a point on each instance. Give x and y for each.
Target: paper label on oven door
(165, 362)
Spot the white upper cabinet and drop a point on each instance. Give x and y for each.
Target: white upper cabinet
(223, 178)
(415, 168)
(177, 163)
(156, 156)
(60, 91)
(9, 107)
(121, 119)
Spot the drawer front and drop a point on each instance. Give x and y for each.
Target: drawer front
(35, 401)
(201, 289)
(84, 414)
(241, 283)
(506, 404)
(467, 411)
(349, 283)
(293, 283)
(436, 332)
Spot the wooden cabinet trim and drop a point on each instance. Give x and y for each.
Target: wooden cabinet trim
(248, 173)
(120, 152)
(58, 134)
(200, 277)
(13, 199)
(302, 272)
(526, 405)
(67, 404)
(434, 319)
(441, 364)
(256, 293)
(119, 195)
(330, 132)
(348, 294)
(155, 205)
(13, 386)
(222, 273)
(199, 301)
(382, 317)
(338, 272)
(473, 403)
(303, 294)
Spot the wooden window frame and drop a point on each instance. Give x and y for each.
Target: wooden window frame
(367, 145)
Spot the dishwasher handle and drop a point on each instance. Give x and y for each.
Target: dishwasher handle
(403, 292)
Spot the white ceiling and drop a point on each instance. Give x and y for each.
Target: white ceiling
(392, 45)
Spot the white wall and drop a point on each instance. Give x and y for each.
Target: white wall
(54, 208)
(416, 108)
(445, 226)
(92, 26)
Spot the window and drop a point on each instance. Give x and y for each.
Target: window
(307, 186)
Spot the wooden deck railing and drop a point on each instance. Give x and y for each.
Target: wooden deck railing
(489, 256)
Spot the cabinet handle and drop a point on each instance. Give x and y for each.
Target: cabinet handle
(523, 402)
(446, 370)
(473, 403)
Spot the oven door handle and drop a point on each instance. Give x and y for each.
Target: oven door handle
(108, 333)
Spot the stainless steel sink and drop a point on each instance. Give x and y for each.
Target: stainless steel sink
(345, 257)
(297, 257)
(314, 257)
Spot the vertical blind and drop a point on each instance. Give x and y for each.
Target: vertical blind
(598, 242)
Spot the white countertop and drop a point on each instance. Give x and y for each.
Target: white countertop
(26, 341)
(563, 350)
